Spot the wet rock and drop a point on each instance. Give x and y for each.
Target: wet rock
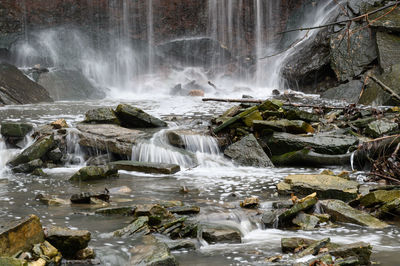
(271, 105)
(67, 241)
(290, 245)
(387, 45)
(20, 235)
(247, 152)
(69, 84)
(226, 123)
(51, 200)
(145, 167)
(248, 119)
(347, 60)
(360, 250)
(342, 212)
(39, 172)
(286, 217)
(35, 151)
(375, 95)
(151, 253)
(104, 115)
(183, 210)
(99, 160)
(125, 211)
(18, 88)
(283, 125)
(314, 248)
(94, 172)
(220, 234)
(269, 218)
(379, 197)
(391, 208)
(9, 261)
(306, 221)
(285, 204)
(138, 225)
(133, 117)
(55, 155)
(46, 250)
(108, 138)
(175, 139)
(85, 254)
(181, 244)
(349, 92)
(387, 22)
(326, 186)
(250, 203)
(28, 167)
(60, 123)
(281, 143)
(86, 197)
(15, 130)
(294, 113)
(379, 128)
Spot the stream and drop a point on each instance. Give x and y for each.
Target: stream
(216, 185)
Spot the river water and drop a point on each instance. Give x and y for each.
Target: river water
(216, 185)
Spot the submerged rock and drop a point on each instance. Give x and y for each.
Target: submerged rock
(94, 172)
(133, 117)
(342, 212)
(247, 152)
(35, 151)
(67, 241)
(146, 167)
(104, 115)
(213, 233)
(326, 186)
(151, 253)
(20, 235)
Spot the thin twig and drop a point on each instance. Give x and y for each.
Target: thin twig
(385, 88)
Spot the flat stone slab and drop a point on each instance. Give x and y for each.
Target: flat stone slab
(326, 186)
(342, 212)
(20, 235)
(109, 138)
(145, 167)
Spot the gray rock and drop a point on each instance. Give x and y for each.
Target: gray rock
(89, 173)
(286, 217)
(181, 244)
(67, 84)
(388, 47)
(360, 7)
(289, 245)
(66, 240)
(15, 130)
(213, 233)
(19, 89)
(360, 250)
(152, 253)
(326, 186)
(350, 61)
(55, 155)
(138, 225)
(379, 128)
(305, 221)
(133, 117)
(342, 212)
(349, 92)
(28, 167)
(108, 138)
(281, 143)
(387, 22)
(125, 211)
(282, 125)
(247, 152)
(183, 210)
(145, 167)
(35, 151)
(99, 160)
(102, 115)
(86, 197)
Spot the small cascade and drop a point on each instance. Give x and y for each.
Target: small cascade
(201, 143)
(75, 155)
(5, 156)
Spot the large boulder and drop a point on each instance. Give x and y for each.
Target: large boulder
(326, 186)
(380, 127)
(69, 85)
(66, 240)
(388, 47)
(15, 130)
(146, 167)
(16, 88)
(350, 55)
(35, 151)
(324, 143)
(386, 22)
(375, 95)
(349, 92)
(108, 138)
(151, 253)
(103, 115)
(133, 117)
(20, 235)
(247, 152)
(342, 212)
(89, 173)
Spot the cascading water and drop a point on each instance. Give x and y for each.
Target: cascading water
(75, 155)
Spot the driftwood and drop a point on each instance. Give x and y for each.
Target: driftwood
(307, 157)
(343, 21)
(386, 88)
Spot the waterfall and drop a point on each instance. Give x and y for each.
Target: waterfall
(75, 155)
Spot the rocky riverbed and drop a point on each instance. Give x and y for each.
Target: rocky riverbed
(184, 201)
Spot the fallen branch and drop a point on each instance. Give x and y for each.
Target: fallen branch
(385, 177)
(343, 21)
(307, 157)
(386, 88)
